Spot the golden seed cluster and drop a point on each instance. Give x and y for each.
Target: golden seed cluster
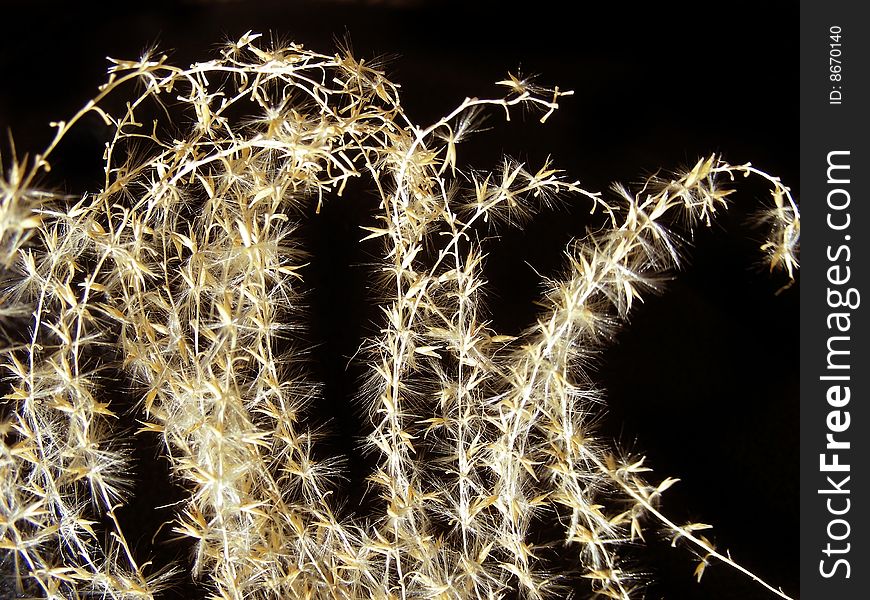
(182, 276)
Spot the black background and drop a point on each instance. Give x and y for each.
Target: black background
(703, 380)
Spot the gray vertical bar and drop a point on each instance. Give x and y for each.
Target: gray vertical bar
(835, 68)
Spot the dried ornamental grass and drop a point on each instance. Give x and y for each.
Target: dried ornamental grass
(182, 275)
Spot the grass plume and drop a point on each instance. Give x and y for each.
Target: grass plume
(182, 276)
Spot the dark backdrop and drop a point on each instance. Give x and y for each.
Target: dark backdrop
(703, 381)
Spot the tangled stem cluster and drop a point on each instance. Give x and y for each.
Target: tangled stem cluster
(181, 277)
